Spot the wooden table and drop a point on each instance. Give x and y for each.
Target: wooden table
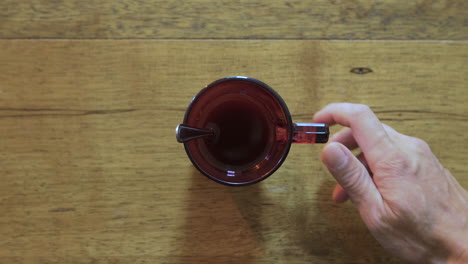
(91, 91)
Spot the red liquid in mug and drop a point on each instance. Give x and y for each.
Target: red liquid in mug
(252, 131)
(242, 133)
(252, 128)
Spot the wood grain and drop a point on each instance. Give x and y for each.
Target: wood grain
(221, 19)
(91, 171)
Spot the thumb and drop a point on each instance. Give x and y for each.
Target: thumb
(350, 174)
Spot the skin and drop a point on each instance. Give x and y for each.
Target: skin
(410, 203)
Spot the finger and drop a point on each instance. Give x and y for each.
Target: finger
(339, 194)
(368, 132)
(345, 137)
(350, 174)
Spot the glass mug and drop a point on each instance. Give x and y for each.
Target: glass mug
(238, 131)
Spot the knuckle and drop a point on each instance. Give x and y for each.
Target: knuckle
(389, 129)
(360, 109)
(421, 144)
(380, 135)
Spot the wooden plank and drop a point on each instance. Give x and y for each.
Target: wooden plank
(91, 171)
(220, 19)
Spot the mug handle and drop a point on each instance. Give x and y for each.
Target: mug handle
(310, 133)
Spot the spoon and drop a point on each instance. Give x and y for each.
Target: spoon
(186, 133)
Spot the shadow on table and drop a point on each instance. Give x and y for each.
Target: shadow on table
(226, 224)
(336, 231)
(214, 230)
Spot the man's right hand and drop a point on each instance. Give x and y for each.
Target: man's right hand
(411, 204)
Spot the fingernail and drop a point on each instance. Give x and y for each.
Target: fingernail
(336, 159)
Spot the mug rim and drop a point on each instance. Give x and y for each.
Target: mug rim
(279, 100)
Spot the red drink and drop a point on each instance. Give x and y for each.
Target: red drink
(242, 132)
(252, 131)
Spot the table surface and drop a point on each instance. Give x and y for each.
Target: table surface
(90, 94)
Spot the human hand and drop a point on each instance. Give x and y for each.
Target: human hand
(410, 203)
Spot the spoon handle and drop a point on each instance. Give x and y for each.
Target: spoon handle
(186, 133)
